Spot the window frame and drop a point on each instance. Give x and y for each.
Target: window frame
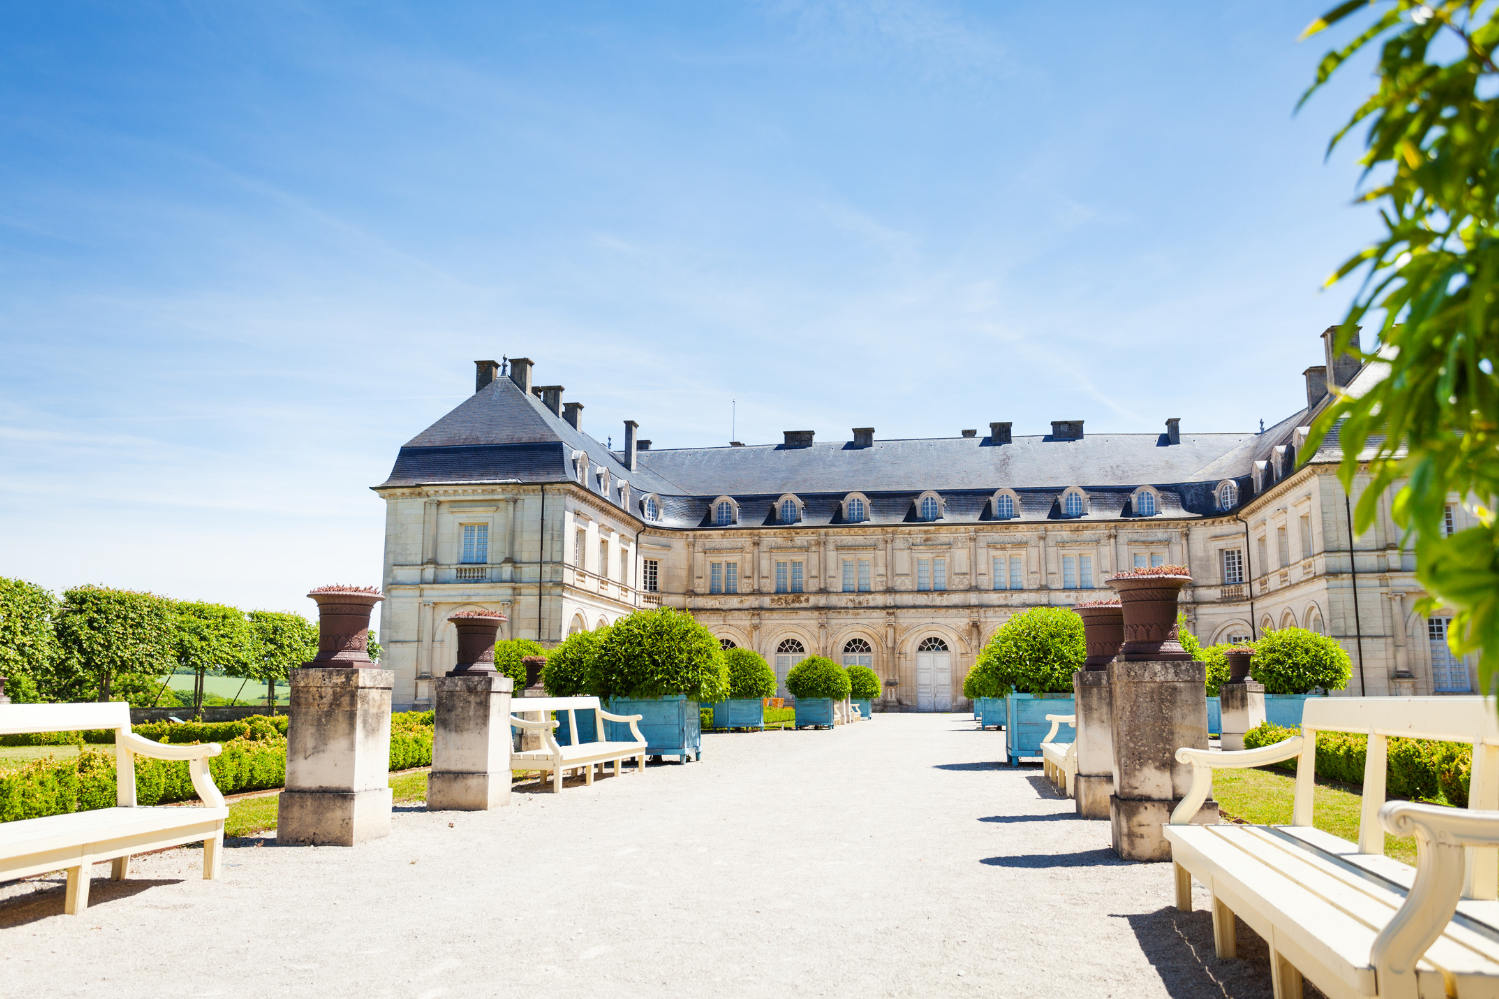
(938, 503)
(715, 508)
(650, 575)
(855, 498)
(477, 527)
(650, 508)
(1233, 494)
(1143, 494)
(1010, 496)
(1085, 504)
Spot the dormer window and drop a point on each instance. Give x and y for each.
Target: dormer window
(856, 511)
(1145, 503)
(929, 507)
(651, 508)
(1227, 494)
(603, 479)
(624, 495)
(725, 512)
(580, 467)
(788, 509)
(1006, 505)
(1074, 503)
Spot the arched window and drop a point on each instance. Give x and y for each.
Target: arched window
(1145, 503)
(788, 511)
(788, 654)
(652, 509)
(790, 647)
(856, 652)
(933, 644)
(929, 508)
(855, 510)
(727, 643)
(857, 645)
(1228, 495)
(1073, 504)
(724, 515)
(1004, 507)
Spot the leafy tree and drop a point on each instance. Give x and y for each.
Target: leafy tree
(750, 676)
(659, 653)
(1431, 423)
(282, 642)
(29, 654)
(566, 671)
(1034, 652)
(1295, 660)
(981, 682)
(818, 677)
(864, 683)
(115, 637)
(1212, 656)
(508, 655)
(373, 646)
(208, 637)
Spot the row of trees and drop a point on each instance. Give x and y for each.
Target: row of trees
(98, 643)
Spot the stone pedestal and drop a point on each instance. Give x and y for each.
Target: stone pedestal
(471, 743)
(1095, 744)
(1243, 708)
(337, 757)
(1156, 708)
(1404, 684)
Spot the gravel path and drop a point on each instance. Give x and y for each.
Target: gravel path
(891, 858)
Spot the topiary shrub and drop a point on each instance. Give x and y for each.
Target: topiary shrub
(1214, 657)
(981, 682)
(750, 676)
(817, 677)
(508, 655)
(864, 683)
(1295, 661)
(1035, 653)
(566, 671)
(659, 653)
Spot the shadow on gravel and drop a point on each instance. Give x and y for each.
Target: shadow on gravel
(1179, 945)
(1044, 788)
(1053, 817)
(1084, 858)
(45, 902)
(972, 766)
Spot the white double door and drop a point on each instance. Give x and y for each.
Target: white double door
(934, 681)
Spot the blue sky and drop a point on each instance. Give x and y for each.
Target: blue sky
(248, 250)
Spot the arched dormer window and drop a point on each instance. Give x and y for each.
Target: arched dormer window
(1227, 494)
(1006, 505)
(624, 494)
(1145, 502)
(651, 507)
(855, 508)
(602, 474)
(580, 467)
(929, 506)
(1074, 503)
(725, 512)
(788, 509)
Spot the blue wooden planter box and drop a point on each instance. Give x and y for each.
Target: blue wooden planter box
(989, 712)
(814, 711)
(739, 712)
(1215, 716)
(1026, 724)
(587, 730)
(672, 726)
(1285, 709)
(866, 708)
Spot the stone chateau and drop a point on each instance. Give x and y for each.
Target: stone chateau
(903, 555)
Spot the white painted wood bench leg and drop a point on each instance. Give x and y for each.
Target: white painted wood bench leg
(1285, 981)
(1225, 932)
(76, 899)
(119, 869)
(213, 856)
(588, 775)
(1183, 888)
(556, 780)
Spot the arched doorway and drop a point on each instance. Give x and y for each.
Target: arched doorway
(933, 675)
(788, 654)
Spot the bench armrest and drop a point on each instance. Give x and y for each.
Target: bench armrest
(1441, 834)
(197, 757)
(1057, 721)
(632, 719)
(1204, 762)
(546, 727)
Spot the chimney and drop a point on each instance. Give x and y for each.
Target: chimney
(1174, 430)
(484, 372)
(520, 373)
(643, 445)
(999, 433)
(736, 443)
(863, 436)
(1342, 367)
(799, 438)
(970, 433)
(551, 397)
(1316, 385)
(572, 412)
(630, 427)
(1067, 430)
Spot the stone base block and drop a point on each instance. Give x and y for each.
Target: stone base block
(1090, 795)
(453, 792)
(332, 818)
(1137, 826)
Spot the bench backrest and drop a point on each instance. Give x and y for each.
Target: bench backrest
(1446, 719)
(526, 705)
(16, 719)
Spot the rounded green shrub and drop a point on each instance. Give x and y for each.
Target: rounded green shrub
(981, 682)
(566, 671)
(816, 677)
(1215, 659)
(1296, 661)
(864, 683)
(508, 655)
(1035, 652)
(750, 676)
(659, 653)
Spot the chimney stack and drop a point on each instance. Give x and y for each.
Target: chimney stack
(630, 427)
(999, 433)
(1174, 430)
(1316, 385)
(863, 436)
(484, 373)
(551, 397)
(642, 445)
(1067, 430)
(520, 373)
(970, 433)
(1342, 367)
(799, 438)
(572, 412)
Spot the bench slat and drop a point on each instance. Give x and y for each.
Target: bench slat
(16, 719)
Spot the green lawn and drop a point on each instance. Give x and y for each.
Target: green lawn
(15, 757)
(776, 718)
(1264, 797)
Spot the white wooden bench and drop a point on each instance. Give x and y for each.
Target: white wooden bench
(556, 759)
(1342, 914)
(1059, 759)
(76, 841)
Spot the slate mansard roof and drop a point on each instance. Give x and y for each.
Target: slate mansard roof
(502, 434)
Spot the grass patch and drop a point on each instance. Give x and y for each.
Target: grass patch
(1264, 797)
(250, 816)
(15, 757)
(409, 787)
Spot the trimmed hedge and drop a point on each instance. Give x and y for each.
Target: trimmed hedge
(566, 671)
(1416, 769)
(864, 683)
(659, 653)
(1296, 661)
(981, 682)
(1034, 652)
(816, 677)
(750, 676)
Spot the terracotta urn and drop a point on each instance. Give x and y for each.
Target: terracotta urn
(533, 666)
(476, 635)
(1148, 597)
(1103, 631)
(1238, 663)
(343, 625)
